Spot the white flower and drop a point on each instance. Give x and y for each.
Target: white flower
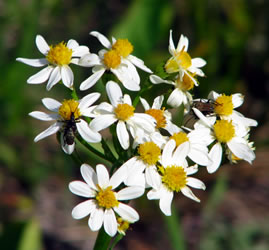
(121, 111)
(68, 116)
(173, 177)
(118, 59)
(198, 151)
(57, 59)
(163, 117)
(225, 132)
(104, 201)
(224, 107)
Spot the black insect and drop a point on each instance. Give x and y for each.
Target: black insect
(205, 106)
(70, 129)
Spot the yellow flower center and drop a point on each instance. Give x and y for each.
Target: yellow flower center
(123, 47)
(112, 59)
(173, 177)
(106, 198)
(186, 84)
(59, 54)
(149, 152)
(123, 225)
(181, 60)
(124, 111)
(224, 130)
(68, 108)
(179, 138)
(224, 105)
(158, 115)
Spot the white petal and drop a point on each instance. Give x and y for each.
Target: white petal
(43, 116)
(102, 176)
(87, 133)
(118, 177)
(158, 101)
(68, 149)
(126, 80)
(110, 222)
(49, 131)
(175, 99)
(182, 43)
(33, 62)
(104, 108)
(157, 80)
(188, 193)
(40, 76)
(89, 175)
(96, 219)
(129, 193)
(241, 150)
(195, 183)
(67, 76)
(88, 100)
(80, 51)
(237, 100)
(192, 169)
(127, 99)
(81, 189)
(72, 44)
(198, 155)
(51, 104)
(114, 93)
(169, 147)
(42, 45)
(83, 209)
(180, 153)
(123, 135)
(126, 212)
(171, 46)
(145, 121)
(55, 77)
(165, 201)
(144, 103)
(153, 179)
(89, 82)
(102, 39)
(198, 62)
(215, 156)
(139, 63)
(89, 60)
(103, 121)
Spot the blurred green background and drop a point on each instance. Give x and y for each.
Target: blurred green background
(35, 204)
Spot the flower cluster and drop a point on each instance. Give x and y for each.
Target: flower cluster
(151, 153)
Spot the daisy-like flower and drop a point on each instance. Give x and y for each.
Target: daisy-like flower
(68, 116)
(57, 60)
(163, 117)
(118, 59)
(104, 201)
(227, 133)
(173, 176)
(198, 151)
(224, 106)
(181, 63)
(121, 111)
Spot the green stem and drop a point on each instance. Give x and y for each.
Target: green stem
(102, 240)
(92, 149)
(74, 94)
(174, 230)
(116, 240)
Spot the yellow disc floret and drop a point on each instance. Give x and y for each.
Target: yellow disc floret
(59, 54)
(179, 138)
(224, 130)
(112, 59)
(158, 115)
(124, 111)
(224, 105)
(106, 198)
(69, 107)
(186, 84)
(123, 47)
(174, 177)
(181, 60)
(123, 225)
(149, 152)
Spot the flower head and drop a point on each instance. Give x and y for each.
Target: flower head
(68, 116)
(57, 59)
(104, 201)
